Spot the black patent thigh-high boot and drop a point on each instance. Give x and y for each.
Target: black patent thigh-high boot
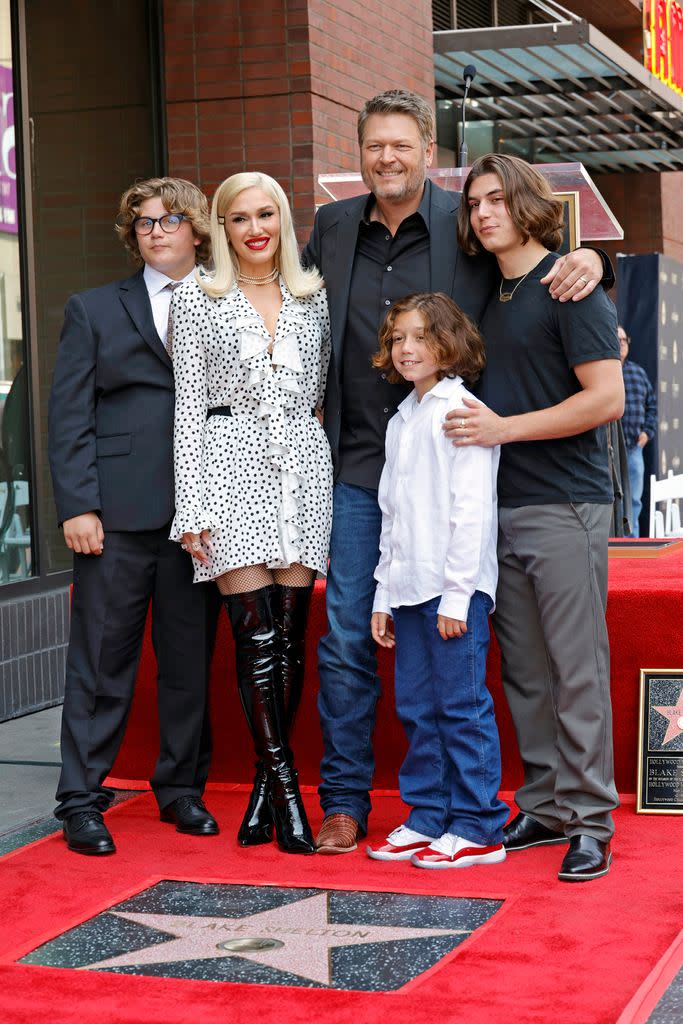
(257, 823)
(257, 648)
(291, 618)
(290, 610)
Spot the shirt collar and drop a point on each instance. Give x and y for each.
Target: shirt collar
(155, 281)
(422, 210)
(443, 389)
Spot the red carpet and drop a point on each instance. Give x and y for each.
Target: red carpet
(554, 952)
(645, 612)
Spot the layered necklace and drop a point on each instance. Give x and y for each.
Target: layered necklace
(245, 279)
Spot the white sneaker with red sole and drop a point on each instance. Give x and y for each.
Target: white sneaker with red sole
(451, 851)
(400, 844)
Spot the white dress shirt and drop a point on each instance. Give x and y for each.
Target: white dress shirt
(160, 296)
(439, 509)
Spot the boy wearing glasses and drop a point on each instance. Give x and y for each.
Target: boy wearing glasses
(111, 456)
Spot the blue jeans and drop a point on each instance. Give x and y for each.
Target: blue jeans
(349, 685)
(451, 774)
(636, 474)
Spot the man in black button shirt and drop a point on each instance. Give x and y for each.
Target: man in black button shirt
(372, 251)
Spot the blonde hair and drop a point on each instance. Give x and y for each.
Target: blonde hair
(177, 196)
(299, 282)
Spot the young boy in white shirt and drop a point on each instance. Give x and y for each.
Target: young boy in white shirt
(436, 579)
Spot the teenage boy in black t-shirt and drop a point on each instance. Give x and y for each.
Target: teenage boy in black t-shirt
(553, 379)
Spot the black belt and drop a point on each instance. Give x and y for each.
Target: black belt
(226, 410)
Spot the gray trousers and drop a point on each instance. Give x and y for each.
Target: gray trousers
(550, 624)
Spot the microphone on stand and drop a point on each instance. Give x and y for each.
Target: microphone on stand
(468, 77)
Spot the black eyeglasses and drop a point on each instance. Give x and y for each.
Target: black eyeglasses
(169, 223)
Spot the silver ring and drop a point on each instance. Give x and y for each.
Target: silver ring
(196, 545)
(184, 547)
(462, 424)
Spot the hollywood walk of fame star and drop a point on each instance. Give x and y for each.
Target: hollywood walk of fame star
(300, 936)
(674, 716)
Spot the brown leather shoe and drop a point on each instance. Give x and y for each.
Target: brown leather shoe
(338, 834)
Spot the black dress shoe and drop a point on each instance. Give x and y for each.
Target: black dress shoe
(85, 832)
(189, 815)
(524, 831)
(586, 858)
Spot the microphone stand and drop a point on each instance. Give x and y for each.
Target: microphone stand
(462, 160)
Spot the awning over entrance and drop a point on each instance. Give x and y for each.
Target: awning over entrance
(563, 92)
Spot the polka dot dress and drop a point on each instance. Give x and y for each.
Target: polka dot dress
(261, 479)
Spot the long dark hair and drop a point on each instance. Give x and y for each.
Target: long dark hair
(534, 210)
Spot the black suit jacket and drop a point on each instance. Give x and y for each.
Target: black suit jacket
(111, 411)
(332, 249)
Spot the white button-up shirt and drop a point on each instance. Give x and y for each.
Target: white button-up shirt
(160, 296)
(439, 509)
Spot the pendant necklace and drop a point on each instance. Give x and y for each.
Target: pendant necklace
(506, 296)
(259, 280)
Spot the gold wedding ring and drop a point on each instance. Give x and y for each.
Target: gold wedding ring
(584, 279)
(462, 424)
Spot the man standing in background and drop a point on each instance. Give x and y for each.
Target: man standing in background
(639, 423)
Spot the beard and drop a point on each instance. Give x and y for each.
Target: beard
(408, 185)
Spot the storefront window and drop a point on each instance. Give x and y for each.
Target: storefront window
(16, 561)
(93, 131)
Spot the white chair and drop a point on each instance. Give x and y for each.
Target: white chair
(668, 490)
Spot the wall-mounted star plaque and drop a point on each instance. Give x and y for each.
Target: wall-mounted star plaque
(660, 742)
(317, 938)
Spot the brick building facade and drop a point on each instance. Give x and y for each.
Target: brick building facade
(279, 91)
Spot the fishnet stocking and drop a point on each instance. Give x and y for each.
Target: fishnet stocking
(296, 576)
(254, 577)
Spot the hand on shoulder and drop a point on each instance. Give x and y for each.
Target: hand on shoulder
(575, 275)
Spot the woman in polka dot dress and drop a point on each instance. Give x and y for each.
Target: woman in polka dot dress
(251, 345)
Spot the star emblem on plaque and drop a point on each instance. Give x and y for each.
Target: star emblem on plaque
(660, 742)
(317, 938)
(673, 714)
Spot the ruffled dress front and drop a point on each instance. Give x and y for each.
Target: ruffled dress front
(260, 479)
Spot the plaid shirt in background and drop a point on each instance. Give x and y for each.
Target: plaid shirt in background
(640, 408)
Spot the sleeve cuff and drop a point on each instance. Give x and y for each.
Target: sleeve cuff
(381, 602)
(187, 522)
(454, 606)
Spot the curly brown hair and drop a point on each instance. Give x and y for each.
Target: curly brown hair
(533, 208)
(178, 196)
(451, 337)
